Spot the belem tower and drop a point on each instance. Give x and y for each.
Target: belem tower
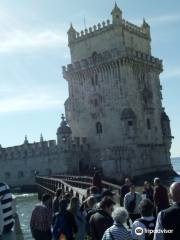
(114, 115)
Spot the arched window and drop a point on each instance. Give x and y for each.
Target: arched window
(98, 128)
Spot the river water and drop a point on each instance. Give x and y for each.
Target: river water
(26, 202)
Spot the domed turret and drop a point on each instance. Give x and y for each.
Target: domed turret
(26, 140)
(63, 132)
(146, 28)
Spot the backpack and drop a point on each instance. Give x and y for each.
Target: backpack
(131, 205)
(61, 227)
(150, 225)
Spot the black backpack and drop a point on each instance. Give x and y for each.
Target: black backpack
(150, 225)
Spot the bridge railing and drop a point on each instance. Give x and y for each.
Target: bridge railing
(50, 185)
(86, 181)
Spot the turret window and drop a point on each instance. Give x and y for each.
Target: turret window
(98, 128)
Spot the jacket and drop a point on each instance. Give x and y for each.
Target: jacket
(99, 222)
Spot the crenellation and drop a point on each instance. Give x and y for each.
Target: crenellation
(125, 57)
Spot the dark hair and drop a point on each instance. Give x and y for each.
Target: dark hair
(146, 207)
(58, 192)
(46, 197)
(94, 190)
(106, 202)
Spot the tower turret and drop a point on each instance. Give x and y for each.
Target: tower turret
(116, 15)
(64, 134)
(26, 140)
(71, 34)
(146, 28)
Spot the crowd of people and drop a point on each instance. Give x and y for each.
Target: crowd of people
(151, 214)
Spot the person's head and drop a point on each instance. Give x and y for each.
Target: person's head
(175, 192)
(107, 205)
(147, 185)
(127, 181)
(91, 201)
(74, 204)
(157, 181)
(63, 204)
(59, 192)
(67, 197)
(132, 188)
(94, 190)
(120, 215)
(146, 208)
(108, 193)
(47, 199)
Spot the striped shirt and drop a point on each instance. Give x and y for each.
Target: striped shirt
(117, 232)
(1, 220)
(6, 203)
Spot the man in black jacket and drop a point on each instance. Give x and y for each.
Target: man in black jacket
(102, 219)
(168, 221)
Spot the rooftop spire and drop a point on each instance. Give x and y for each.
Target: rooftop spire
(71, 29)
(41, 138)
(116, 9)
(71, 34)
(116, 15)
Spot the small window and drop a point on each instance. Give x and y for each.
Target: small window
(92, 81)
(130, 123)
(117, 16)
(148, 124)
(98, 128)
(20, 174)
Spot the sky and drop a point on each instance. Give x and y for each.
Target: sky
(33, 48)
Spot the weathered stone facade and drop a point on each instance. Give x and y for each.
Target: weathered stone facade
(115, 98)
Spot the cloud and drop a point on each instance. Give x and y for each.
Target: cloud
(159, 20)
(24, 100)
(164, 19)
(20, 39)
(172, 73)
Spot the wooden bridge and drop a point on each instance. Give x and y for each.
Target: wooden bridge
(76, 185)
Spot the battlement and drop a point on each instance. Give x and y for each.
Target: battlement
(106, 26)
(95, 29)
(27, 150)
(141, 31)
(108, 56)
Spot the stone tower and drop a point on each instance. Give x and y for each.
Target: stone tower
(115, 97)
